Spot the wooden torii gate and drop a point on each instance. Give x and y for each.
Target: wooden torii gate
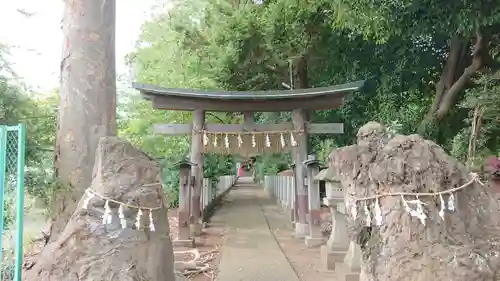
(249, 138)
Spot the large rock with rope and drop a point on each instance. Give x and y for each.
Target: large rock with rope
(93, 248)
(432, 236)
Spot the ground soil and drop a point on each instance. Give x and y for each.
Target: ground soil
(306, 261)
(208, 243)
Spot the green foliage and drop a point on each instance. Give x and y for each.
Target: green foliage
(399, 47)
(19, 105)
(486, 99)
(385, 19)
(245, 46)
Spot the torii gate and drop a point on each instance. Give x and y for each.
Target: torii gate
(249, 138)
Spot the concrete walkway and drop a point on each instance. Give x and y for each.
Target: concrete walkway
(250, 251)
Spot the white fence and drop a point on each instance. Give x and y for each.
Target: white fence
(213, 191)
(282, 188)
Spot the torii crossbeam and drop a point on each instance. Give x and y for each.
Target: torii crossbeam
(248, 138)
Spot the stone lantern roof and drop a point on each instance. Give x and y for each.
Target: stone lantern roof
(328, 175)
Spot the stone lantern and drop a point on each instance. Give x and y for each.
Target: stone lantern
(186, 202)
(339, 248)
(338, 243)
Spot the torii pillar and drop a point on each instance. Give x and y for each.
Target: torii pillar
(299, 119)
(196, 157)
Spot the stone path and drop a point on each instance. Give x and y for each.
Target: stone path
(250, 251)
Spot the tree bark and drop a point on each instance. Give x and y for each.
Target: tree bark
(455, 77)
(87, 107)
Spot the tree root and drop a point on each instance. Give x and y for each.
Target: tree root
(199, 263)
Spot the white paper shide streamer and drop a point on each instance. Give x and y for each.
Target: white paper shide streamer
(121, 216)
(240, 140)
(451, 202)
(254, 143)
(354, 211)
(368, 218)
(282, 140)
(138, 219)
(414, 207)
(292, 140)
(151, 222)
(226, 141)
(442, 205)
(268, 141)
(106, 217)
(420, 211)
(215, 141)
(205, 139)
(406, 206)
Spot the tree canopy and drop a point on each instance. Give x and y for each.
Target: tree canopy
(431, 66)
(407, 51)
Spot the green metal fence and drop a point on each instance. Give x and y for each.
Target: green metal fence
(12, 153)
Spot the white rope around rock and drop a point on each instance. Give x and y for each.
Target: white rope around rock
(418, 211)
(107, 217)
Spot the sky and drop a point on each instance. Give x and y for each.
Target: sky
(37, 39)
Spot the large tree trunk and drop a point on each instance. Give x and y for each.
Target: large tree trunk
(87, 107)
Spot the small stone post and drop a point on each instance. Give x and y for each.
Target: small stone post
(315, 237)
(183, 213)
